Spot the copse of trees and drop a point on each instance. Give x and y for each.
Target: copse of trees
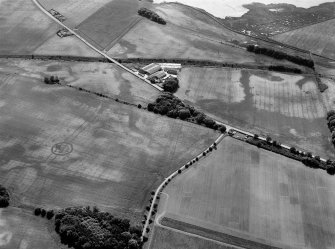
(171, 106)
(331, 124)
(51, 80)
(281, 55)
(83, 228)
(4, 197)
(171, 85)
(151, 15)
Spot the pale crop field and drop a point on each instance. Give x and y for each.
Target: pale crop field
(23, 27)
(111, 155)
(289, 108)
(318, 38)
(255, 194)
(98, 77)
(21, 229)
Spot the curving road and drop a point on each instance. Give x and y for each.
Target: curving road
(37, 3)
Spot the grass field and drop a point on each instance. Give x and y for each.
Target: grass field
(110, 22)
(75, 11)
(23, 27)
(252, 193)
(22, 230)
(288, 107)
(318, 38)
(119, 153)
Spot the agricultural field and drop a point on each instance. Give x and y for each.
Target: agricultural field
(254, 194)
(60, 147)
(164, 238)
(75, 11)
(21, 229)
(289, 108)
(151, 40)
(98, 77)
(110, 22)
(66, 46)
(23, 27)
(318, 38)
(192, 19)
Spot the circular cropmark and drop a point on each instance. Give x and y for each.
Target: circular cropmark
(62, 149)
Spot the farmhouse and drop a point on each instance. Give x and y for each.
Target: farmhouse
(151, 69)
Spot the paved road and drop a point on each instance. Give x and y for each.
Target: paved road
(37, 3)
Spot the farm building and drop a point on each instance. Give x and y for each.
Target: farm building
(157, 75)
(151, 69)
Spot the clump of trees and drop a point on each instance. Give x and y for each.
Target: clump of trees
(4, 197)
(331, 124)
(171, 85)
(86, 228)
(173, 107)
(51, 80)
(151, 15)
(281, 55)
(41, 211)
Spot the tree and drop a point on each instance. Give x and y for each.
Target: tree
(139, 106)
(200, 118)
(223, 129)
(268, 139)
(50, 214)
(330, 113)
(179, 171)
(37, 211)
(209, 122)
(151, 107)
(43, 212)
(184, 114)
(256, 136)
(46, 80)
(331, 170)
(293, 150)
(171, 85)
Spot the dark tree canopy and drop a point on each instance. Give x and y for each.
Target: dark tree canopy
(81, 228)
(171, 85)
(151, 15)
(4, 197)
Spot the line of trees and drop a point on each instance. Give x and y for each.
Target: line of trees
(173, 107)
(331, 124)
(151, 15)
(305, 157)
(285, 69)
(281, 55)
(4, 197)
(86, 228)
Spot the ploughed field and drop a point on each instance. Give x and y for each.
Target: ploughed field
(318, 38)
(110, 22)
(252, 194)
(289, 108)
(60, 147)
(23, 27)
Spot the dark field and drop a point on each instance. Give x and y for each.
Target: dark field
(289, 108)
(23, 27)
(110, 22)
(61, 147)
(254, 194)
